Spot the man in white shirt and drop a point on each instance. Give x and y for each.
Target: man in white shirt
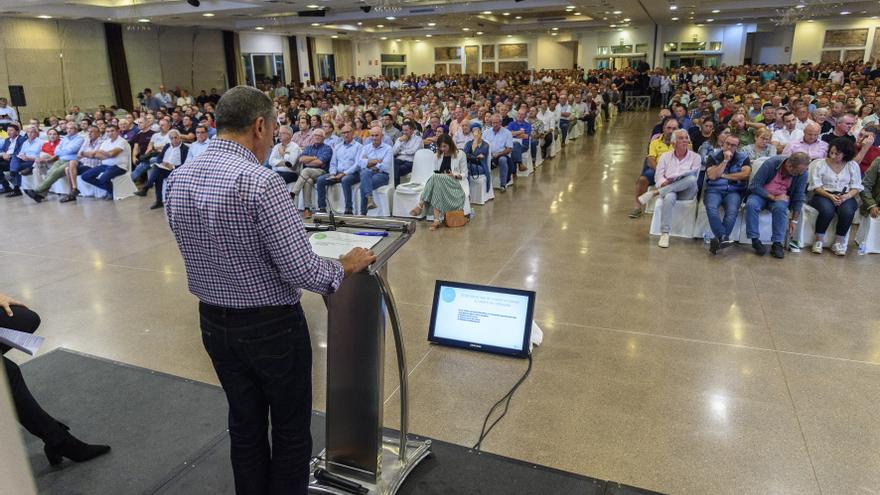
(173, 155)
(157, 142)
(7, 114)
(285, 155)
(547, 117)
(563, 113)
(199, 146)
(114, 155)
(404, 150)
(788, 133)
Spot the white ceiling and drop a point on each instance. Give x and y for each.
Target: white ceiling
(348, 19)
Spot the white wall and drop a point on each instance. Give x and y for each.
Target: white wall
(809, 37)
(366, 56)
(552, 54)
(260, 43)
(323, 44)
(773, 47)
(732, 38)
(590, 41)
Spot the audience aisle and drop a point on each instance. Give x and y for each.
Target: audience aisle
(667, 369)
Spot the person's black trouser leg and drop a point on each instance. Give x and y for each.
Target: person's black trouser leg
(4, 167)
(264, 362)
(34, 419)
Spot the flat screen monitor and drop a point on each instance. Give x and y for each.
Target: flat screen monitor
(482, 318)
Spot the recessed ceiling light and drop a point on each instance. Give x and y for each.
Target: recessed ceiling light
(627, 19)
(699, 25)
(716, 11)
(577, 13)
(428, 35)
(360, 24)
(44, 16)
(316, 24)
(465, 29)
(553, 33)
(809, 20)
(487, 12)
(143, 20)
(334, 36)
(845, 12)
(619, 29)
(207, 14)
(739, 24)
(673, 7)
(506, 13)
(398, 39)
(313, 6)
(518, 17)
(432, 24)
(555, 29)
(710, 20)
(675, 18)
(383, 38)
(479, 32)
(617, 12)
(380, 26)
(390, 18)
(612, 25)
(259, 28)
(570, 7)
(799, 6)
(510, 36)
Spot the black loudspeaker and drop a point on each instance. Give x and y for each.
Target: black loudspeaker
(312, 13)
(367, 8)
(16, 95)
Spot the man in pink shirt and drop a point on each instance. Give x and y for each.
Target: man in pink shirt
(676, 178)
(809, 144)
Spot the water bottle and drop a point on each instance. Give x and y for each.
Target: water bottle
(707, 237)
(863, 248)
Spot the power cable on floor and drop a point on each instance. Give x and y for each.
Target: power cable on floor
(508, 396)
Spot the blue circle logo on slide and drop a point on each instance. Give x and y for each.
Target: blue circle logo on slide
(448, 294)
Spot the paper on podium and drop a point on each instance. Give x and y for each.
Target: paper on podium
(335, 244)
(22, 341)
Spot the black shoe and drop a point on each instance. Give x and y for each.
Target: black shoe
(141, 193)
(15, 192)
(759, 248)
(725, 243)
(157, 205)
(714, 244)
(777, 251)
(34, 196)
(348, 211)
(73, 449)
(70, 197)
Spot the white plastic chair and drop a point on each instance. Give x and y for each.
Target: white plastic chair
(805, 232)
(383, 197)
(869, 233)
(765, 218)
(479, 195)
(702, 226)
(527, 162)
(683, 220)
(407, 196)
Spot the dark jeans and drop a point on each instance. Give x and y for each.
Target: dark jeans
(263, 358)
(157, 178)
(4, 167)
(31, 416)
(102, 176)
(401, 168)
(505, 169)
(288, 176)
(563, 126)
(845, 214)
(590, 121)
(715, 199)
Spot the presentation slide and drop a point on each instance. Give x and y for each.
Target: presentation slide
(481, 317)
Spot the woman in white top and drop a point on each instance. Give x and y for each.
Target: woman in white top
(284, 155)
(835, 182)
(447, 189)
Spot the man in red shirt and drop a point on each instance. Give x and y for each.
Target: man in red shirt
(867, 151)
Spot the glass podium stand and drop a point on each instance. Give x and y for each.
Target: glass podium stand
(357, 450)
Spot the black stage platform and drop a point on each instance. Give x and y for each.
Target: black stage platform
(169, 437)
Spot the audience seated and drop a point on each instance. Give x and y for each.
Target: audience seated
(23, 162)
(404, 150)
(500, 146)
(375, 164)
(173, 155)
(9, 150)
(313, 163)
(835, 182)
(810, 144)
(762, 147)
(199, 146)
(521, 131)
(656, 149)
(114, 162)
(343, 164)
(446, 190)
(284, 158)
(477, 154)
(86, 159)
(154, 148)
(64, 153)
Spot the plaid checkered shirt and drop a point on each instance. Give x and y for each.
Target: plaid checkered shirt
(236, 227)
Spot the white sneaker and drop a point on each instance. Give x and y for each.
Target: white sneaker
(838, 249)
(644, 199)
(664, 241)
(817, 247)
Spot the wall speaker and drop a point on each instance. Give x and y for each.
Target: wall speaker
(312, 13)
(16, 95)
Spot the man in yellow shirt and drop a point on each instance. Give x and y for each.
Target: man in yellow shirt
(658, 146)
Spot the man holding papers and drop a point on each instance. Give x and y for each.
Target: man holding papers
(59, 442)
(248, 265)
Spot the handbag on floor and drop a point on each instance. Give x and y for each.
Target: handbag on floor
(456, 219)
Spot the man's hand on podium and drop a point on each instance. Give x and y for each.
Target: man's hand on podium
(357, 260)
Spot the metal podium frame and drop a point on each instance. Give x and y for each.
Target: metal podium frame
(357, 447)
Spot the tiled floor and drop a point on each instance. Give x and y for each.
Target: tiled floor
(666, 369)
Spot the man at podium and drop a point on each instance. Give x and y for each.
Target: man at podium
(247, 259)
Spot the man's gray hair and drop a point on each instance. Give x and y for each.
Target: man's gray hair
(678, 133)
(239, 107)
(799, 159)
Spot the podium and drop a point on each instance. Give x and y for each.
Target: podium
(357, 448)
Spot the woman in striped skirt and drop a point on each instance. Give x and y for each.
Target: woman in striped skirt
(445, 191)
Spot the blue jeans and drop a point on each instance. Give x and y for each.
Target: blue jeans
(401, 168)
(845, 214)
(714, 199)
(157, 178)
(563, 126)
(517, 153)
(347, 182)
(16, 166)
(370, 180)
(143, 167)
(321, 185)
(4, 167)
(102, 176)
(263, 360)
(779, 209)
(503, 163)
